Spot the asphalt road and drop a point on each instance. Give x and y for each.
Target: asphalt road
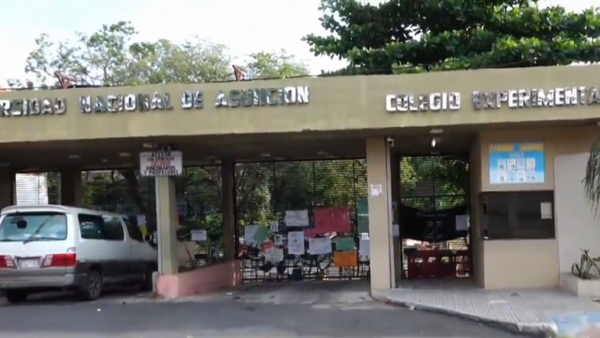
(282, 312)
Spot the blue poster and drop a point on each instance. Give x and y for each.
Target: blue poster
(517, 163)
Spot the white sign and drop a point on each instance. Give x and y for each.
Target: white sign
(364, 249)
(319, 246)
(296, 242)
(161, 163)
(274, 255)
(274, 226)
(296, 218)
(376, 190)
(462, 222)
(198, 235)
(249, 231)
(278, 240)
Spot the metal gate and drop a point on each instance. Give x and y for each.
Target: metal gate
(433, 217)
(272, 247)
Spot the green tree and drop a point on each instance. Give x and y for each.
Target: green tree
(405, 36)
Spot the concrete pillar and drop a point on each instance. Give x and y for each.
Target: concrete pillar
(71, 187)
(7, 187)
(166, 225)
(395, 190)
(228, 208)
(380, 214)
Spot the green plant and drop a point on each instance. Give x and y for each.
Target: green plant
(587, 267)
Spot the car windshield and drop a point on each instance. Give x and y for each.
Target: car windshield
(33, 226)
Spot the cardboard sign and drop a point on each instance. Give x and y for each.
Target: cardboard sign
(345, 259)
(333, 219)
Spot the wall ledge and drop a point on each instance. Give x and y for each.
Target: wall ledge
(579, 287)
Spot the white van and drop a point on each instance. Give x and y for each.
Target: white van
(50, 247)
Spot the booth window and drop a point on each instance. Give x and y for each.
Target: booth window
(518, 215)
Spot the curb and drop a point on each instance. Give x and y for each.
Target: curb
(539, 330)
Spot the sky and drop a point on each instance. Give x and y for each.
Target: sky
(243, 26)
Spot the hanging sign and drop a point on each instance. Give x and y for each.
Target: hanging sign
(161, 163)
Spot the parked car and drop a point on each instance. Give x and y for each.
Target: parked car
(55, 247)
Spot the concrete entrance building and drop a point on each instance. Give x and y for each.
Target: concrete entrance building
(547, 112)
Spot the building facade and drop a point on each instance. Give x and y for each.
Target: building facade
(533, 119)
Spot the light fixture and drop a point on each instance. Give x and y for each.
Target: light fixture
(436, 131)
(124, 155)
(433, 142)
(74, 156)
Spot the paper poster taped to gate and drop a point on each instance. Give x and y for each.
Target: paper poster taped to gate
(332, 219)
(296, 243)
(274, 255)
(364, 249)
(198, 235)
(274, 226)
(296, 218)
(319, 246)
(278, 239)
(345, 259)
(344, 243)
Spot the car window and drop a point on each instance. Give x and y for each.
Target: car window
(133, 230)
(91, 226)
(39, 226)
(101, 227)
(113, 229)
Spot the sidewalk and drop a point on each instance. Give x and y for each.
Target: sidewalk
(534, 312)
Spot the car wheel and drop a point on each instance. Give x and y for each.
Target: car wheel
(16, 296)
(148, 284)
(92, 289)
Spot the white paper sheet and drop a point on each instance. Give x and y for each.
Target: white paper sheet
(296, 242)
(296, 218)
(376, 189)
(364, 249)
(249, 231)
(141, 220)
(319, 246)
(278, 240)
(274, 226)
(198, 235)
(274, 255)
(462, 222)
(546, 210)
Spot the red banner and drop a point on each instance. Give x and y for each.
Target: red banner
(333, 219)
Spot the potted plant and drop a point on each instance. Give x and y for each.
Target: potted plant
(584, 279)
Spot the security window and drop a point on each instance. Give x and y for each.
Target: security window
(518, 215)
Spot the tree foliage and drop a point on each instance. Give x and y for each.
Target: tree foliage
(403, 36)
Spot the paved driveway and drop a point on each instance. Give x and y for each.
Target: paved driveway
(288, 310)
